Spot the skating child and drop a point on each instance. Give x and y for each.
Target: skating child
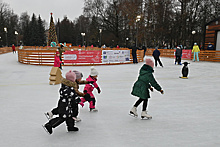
(57, 61)
(89, 88)
(67, 105)
(141, 88)
(75, 85)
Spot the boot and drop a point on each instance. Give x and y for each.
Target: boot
(93, 110)
(133, 112)
(48, 128)
(145, 115)
(72, 129)
(49, 115)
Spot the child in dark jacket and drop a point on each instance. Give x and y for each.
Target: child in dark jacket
(89, 88)
(78, 81)
(141, 88)
(67, 105)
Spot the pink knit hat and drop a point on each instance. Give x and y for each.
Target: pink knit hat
(149, 62)
(71, 76)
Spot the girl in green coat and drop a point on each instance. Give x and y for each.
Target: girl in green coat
(141, 88)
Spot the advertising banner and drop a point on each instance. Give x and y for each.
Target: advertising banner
(186, 54)
(114, 56)
(82, 57)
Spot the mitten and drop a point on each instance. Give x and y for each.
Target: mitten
(99, 91)
(78, 100)
(151, 89)
(85, 91)
(161, 91)
(87, 97)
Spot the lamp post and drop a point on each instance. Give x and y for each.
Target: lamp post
(5, 29)
(83, 35)
(138, 18)
(100, 42)
(193, 33)
(126, 42)
(16, 33)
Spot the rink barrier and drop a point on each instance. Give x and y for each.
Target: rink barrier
(7, 50)
(204, 55)
(44, 56)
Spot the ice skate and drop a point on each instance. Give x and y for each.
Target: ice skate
(93, 110)
(48, 128)
(145, 115)
(133, 112)
(77, 119)
(49, 115)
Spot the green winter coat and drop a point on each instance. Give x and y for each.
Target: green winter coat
(144, 82)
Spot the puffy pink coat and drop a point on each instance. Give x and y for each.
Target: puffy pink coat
(89, 87)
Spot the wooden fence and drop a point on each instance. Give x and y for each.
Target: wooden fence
(45, 56)
(204, 55)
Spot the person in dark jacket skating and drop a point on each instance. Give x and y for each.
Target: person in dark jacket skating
(67, 105)
(178, 55)
(156, 55)
(141, 88)
(134, 53)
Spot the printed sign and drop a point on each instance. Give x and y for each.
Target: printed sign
(114, 56)
(82, 57)
(186, 54)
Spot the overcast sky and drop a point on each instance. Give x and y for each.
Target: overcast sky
(60, 8)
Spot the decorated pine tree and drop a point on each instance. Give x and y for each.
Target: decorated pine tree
(52, 36)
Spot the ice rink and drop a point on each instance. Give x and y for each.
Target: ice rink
(187, 115)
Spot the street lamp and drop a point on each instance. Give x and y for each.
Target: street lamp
(16, 33)
(126, 42)
(100, 31)
(5, 29)
(83, 35)
(193, 33)
(138, 18)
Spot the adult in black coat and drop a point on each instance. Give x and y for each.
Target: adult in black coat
(156, 55)
(178, 55)
(134, 53)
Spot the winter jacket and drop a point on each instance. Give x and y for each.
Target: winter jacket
(156, 53)
(178, 52)
(144, 82)
(89, 87)
(68, 102)
(196, 48)
(57, 61)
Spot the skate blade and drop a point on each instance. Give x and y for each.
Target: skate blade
(146, 118)
(133, 115)
(47, 116)
(183, 77)
(46, 129)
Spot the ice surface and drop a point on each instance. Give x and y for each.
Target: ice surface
(187, 115)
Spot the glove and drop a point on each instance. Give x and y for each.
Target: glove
(87, 97)
(78, 100)
(85, 91)
(99, 91)
(90, 82)
(161, 91)
(151, 89)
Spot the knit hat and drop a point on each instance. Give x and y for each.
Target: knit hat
(149, 62)
(79, 75)
(71, 76)
(93, 72)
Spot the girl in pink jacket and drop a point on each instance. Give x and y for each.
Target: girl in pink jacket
(57, 61)
(89, 88)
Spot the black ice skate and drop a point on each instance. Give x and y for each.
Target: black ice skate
(49, 115)
(48, 128)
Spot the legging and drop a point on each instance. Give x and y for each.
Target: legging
(144, 103)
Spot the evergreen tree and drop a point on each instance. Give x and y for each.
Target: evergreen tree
(52, 36)
(41, 32)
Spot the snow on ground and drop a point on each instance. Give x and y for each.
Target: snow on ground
(186, 115)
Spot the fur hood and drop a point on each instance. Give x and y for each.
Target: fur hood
(68, 82)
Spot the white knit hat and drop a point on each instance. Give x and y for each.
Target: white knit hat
(93, 72)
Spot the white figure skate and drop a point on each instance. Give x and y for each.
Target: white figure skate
(133, 112)
(145, 115)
